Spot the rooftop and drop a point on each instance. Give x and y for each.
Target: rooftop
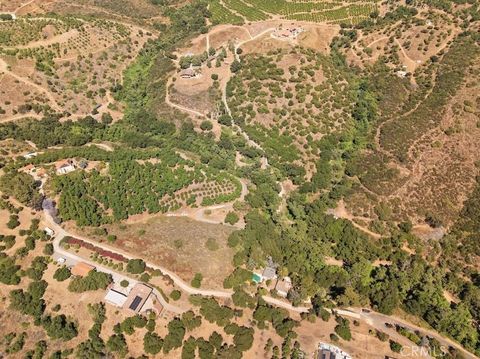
(82, 269)
(115, 298)
(137, 297)
(269, 273)
(283, 286)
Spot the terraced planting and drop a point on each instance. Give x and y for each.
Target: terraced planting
(221, 190)
(312, 11)
(249, 12)
(221, 15)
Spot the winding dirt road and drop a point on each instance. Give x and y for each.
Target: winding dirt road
(61, 233)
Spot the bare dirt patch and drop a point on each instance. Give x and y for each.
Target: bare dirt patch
(222, 35)
(318, 37)
(196, 93)
(264, 44)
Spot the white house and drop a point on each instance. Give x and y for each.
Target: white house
(65, 167)
(29, 155)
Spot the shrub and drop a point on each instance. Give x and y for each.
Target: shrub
(343, 329)
(231, 218)
(13, 222)
(211, 244)
(206, 125)
(197, 280)
(124, 283)
(145, 277)
(48, 250)
(175, 294)
(93, 281)
(334, 337)
(152, 343)
(395, 346)
(382, 336)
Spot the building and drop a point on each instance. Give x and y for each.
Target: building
(283, 286)
(137, 297)
(269, 272)
(29, 155)
(65, 167)
(115, 298)
(328, 351)
(288, 33)
(49, 231)
(82, 269)
(188, 73)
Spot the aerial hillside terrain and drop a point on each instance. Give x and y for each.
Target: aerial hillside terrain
(239, 179)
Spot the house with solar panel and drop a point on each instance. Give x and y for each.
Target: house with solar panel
(137, 297)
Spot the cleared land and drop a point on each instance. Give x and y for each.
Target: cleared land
(180, 244)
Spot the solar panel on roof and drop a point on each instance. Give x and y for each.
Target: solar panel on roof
(135, 303)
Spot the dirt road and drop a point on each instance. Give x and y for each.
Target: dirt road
(61, 233)
(374, 319)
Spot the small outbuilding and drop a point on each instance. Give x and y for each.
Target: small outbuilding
(82, 269)
(188, 73)
(49, 231)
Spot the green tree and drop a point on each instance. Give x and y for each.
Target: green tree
(197, 280)
(206, 125)
(62, 273)
(231, 218)
(136, 266)
(117, 344)
(152, 343)
(175, 294)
